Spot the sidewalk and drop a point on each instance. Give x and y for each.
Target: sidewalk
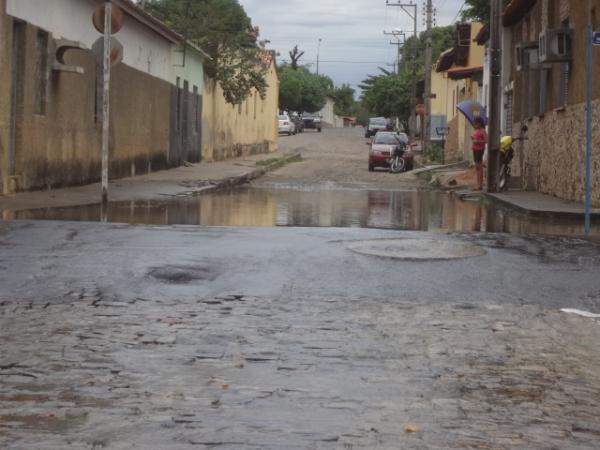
(540, 204)
(181, 181)
(460, 182)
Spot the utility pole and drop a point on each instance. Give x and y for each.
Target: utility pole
(318, 53)
(106, 104)
(428, 64)
(397, 33)
(411, 10)
(495, 97)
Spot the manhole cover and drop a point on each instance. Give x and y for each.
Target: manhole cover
(416, 249)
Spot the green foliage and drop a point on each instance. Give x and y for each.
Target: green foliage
(434, 153)
(479, 10)
(413, 52)
(300, 90)
(224, 31)
(344, 100)
(388, 94)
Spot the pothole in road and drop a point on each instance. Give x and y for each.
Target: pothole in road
(416, 249)
(183, 274)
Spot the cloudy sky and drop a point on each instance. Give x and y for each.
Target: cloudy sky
(352, 31)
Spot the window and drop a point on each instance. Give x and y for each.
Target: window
(41, 72)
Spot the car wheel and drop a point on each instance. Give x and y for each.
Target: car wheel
(319, 130)
(371, 168)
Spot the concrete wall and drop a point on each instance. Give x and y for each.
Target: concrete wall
(328, 115)
(60, 145)
(144, 50)
(188, 64)
(232, 131)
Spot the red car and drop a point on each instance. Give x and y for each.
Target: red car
(382, 146)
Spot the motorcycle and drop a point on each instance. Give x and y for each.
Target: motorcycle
(397, 162)
(507, 154)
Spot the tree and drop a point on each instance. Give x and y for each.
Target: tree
(479, 10)
(442, 38)
(295, 55)
(344, 100)
(224, 31)
(301, 90)
(388, 94)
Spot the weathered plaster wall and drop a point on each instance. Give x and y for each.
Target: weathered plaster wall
(62, 146)
(232, 131)
(5, 54)
(552, 159)
(144, 50)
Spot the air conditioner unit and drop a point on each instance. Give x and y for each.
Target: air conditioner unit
(527, 56)
(555, 45)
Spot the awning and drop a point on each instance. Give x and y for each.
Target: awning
(515, 11)
(483, 36)
(445, 61)
(459, 73)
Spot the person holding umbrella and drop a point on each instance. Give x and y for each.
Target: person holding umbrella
(479, 138)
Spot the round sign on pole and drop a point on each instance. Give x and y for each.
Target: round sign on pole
(116, 16)
(116, 51)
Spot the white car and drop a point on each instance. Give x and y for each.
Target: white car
(286, 125)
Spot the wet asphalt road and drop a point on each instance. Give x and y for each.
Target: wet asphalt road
(125, 337)
(182, 337)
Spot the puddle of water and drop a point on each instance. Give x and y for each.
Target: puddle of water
(252, 207)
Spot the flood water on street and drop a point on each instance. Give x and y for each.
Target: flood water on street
(260, 207)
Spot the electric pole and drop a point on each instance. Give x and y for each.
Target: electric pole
(495, 97)
(428, 64)
(397, 33)
(411, 10)
(318, 54)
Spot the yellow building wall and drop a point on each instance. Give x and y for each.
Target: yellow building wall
(232, 131)
(476, 52)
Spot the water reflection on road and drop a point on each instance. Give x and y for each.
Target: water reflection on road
(251, 207)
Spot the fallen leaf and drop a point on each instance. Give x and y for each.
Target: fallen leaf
(411, 429)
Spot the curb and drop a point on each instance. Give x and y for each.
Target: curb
(246, 178)
(539, 212)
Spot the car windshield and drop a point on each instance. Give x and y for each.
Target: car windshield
(390, 139)
(310, 116)
(283, 117)
(378, 122)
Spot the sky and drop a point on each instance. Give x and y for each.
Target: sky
(351, 31)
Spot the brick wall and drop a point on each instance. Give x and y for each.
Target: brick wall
(552, 159)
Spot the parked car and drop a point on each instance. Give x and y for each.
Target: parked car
(298, 122)
(312, 121)
(381, 147)
(286, 125)
(376, 124)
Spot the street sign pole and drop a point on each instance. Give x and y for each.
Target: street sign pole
(106, 106)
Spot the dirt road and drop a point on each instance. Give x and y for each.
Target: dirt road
(334, 158)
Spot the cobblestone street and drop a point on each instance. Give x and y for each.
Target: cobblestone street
(121, 353)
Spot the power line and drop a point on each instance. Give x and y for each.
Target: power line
(337, 61)
(459, 11)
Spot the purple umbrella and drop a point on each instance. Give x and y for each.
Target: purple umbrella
(472, 109)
